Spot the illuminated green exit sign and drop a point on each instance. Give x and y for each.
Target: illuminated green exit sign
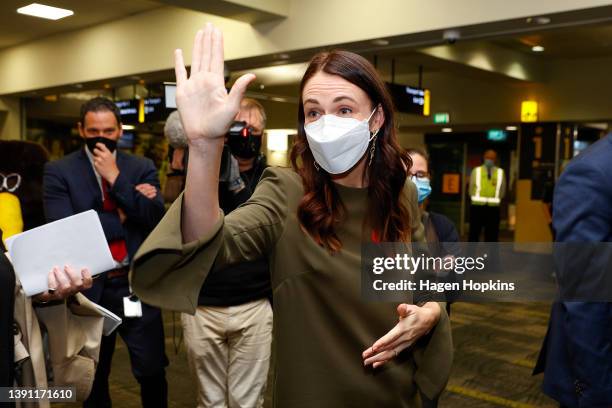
(441, 118)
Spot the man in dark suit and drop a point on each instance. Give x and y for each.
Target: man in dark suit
(577, 352)
(124, 190)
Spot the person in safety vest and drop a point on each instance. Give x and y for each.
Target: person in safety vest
(487, 190)
(11, 220)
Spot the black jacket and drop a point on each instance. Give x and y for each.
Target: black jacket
(247, 281)
(7, 299)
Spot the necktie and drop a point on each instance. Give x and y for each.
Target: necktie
(117, 247)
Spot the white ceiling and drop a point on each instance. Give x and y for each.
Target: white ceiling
(17, 28)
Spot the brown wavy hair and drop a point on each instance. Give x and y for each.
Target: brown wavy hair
(321, 209)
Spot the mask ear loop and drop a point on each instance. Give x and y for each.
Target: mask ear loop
(372, 114)
(316, 165)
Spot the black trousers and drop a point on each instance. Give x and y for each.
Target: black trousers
(7, 306)
(144, 338)
(487, 217)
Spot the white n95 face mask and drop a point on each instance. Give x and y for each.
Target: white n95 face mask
(337, 144)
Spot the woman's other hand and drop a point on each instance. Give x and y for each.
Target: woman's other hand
(414, 322)
(64, 283)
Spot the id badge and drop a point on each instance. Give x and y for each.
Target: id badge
(132, 306)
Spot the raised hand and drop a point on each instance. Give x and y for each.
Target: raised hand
(205, 107)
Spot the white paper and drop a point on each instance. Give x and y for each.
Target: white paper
(111, 320)
(77, 241)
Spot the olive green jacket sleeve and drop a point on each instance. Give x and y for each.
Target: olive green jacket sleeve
(433, 356)
(433, 353)
(169, 273)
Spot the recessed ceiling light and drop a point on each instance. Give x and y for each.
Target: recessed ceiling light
(42, 11)
(511, 128)
(128, 127)
(539, 20)
(380, 41)
(278, 99)
(447, 130)
(542, 20)
(537, 48)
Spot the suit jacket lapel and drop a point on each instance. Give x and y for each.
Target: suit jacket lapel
(120, 160)
(91, 180)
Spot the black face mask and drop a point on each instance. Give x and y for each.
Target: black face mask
(242, 142)
(91, 143)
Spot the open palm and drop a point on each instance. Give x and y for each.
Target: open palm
(205, 107)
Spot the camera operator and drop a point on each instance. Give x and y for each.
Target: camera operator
(228, 340)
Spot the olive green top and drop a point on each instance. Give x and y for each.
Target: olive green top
(321, 324)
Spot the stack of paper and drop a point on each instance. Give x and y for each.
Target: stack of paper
(77, 241)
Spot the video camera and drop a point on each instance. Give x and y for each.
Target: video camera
(241, 142)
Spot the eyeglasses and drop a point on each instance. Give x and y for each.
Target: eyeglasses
(10, 182)
(419, 175)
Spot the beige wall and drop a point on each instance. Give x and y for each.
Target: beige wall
(144, 42)
(281, 115)
(577, 90)
(10, 118)
(411, 139)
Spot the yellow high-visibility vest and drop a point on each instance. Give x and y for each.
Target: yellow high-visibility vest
(487, 191)
(11, 219)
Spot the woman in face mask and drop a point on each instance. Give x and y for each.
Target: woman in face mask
(348, 186)
(438, 227)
